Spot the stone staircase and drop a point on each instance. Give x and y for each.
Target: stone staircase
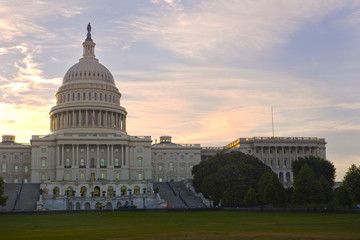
(177, 195)
(29, 195)
(11, 190)
(188, 197)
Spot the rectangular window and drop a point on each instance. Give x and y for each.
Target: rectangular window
(3, 168)
(16, 157)
(116, 150)
(92, 150)
(16, 180)
(84, 96)
(67, 176)
(160, 167)
(139, 162)
(82, 176)
(43, 176)
(191, 167)
(78, 96)
(171, 166)
(43, 150)
(82, 150)
(182, 167)
(82, 162)
(68, 150)
(95, 96)
(67, 162)
(160, 179)
(103, 175)
(26, 157)
(100, 96)
(116, 163)
(117, 176)
(16, 168)
(26, 180)
(73, 98)
(140, 176)
(26, 168)
(102, 162)
(89, 95)
(102, 150)
(43, 163)
(139, 150)
(105, 97)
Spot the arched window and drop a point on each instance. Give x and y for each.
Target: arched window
(96, 191)
(110, 191)
(288, 177)
(83, 191)
(56, 191)
(123, 191)
(281, 177)
(137, 190)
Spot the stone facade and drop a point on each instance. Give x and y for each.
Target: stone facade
(173, 162)
(15, 160)
(279, 152)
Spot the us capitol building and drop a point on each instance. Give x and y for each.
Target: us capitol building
(89, 156)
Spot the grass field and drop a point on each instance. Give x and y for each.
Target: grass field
(188, 225)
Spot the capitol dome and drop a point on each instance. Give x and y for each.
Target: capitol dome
(88, 100)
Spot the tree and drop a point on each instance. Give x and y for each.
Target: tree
(352, 183)
(326, 190)
(342, 196)
(319, 166)
(271, 190)
(307, 189)
(227, 177)
(3, 199)
(250, 199)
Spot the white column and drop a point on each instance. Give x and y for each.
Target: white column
(87, 155)
(123, 155)
(62, 155)
(107, 153)
(111, 154)
(73, 119)
(77, 155)
(97, 156)
(127, 155)
(58, 155)
(73, 155)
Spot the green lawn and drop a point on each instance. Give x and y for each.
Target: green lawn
(188, 225)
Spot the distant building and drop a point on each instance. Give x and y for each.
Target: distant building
(15, 160)
(173, 162)
(279, 152)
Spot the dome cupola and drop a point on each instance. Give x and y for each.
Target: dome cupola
(88, 100)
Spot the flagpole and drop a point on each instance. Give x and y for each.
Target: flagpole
(272, 121)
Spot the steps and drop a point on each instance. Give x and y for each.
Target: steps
(177, 195)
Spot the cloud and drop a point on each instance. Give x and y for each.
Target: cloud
(227, 29)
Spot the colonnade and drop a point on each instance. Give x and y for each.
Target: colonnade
(87, 118)
(123, 154)
(281, 157)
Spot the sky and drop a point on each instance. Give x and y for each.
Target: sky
(202, 71)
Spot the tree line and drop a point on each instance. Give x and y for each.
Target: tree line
(236, 179)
